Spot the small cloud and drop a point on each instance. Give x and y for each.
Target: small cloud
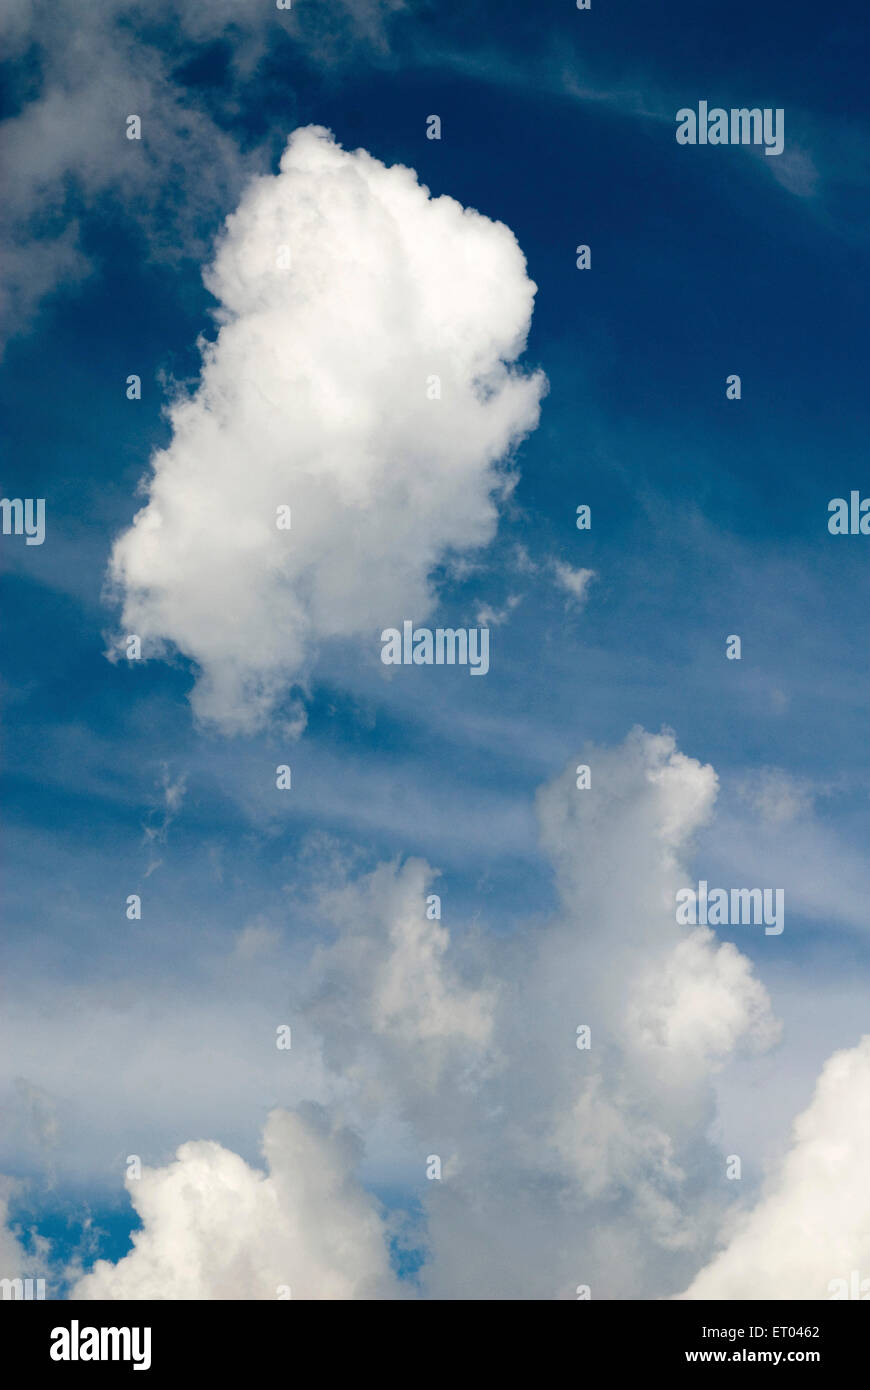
(523, 562)
(776, 796)
(574, 582)
(494, 617)
(173, 792)
(173, 796)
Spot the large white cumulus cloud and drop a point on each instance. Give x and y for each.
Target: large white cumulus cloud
(215, 1228)
(809, 1236)
(343, 289)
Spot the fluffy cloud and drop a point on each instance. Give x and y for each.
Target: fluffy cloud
(691, 1011)
(389, 1000)
(811, 1230)
(344, 288)
(561, 1165)
(594, 1165)
(215, 1228)
(394, 952)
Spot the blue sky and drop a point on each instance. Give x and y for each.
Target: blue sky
(709, 518)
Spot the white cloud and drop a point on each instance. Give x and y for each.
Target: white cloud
(172, 798)
(215, 1228)
(648, 802)
(314, 397)
(390, 1002)
(574, 582)
(565, 1165)
(487, 616)
(812, 1226)
(691, 1012)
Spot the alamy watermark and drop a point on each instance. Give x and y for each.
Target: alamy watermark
(77, 1343)
(741, 125)
(742, 907)
(446, 646)
(852, 1288)
(850, 518)
(23, 518)
(22, 1288)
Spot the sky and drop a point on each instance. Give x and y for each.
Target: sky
(288, 262)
